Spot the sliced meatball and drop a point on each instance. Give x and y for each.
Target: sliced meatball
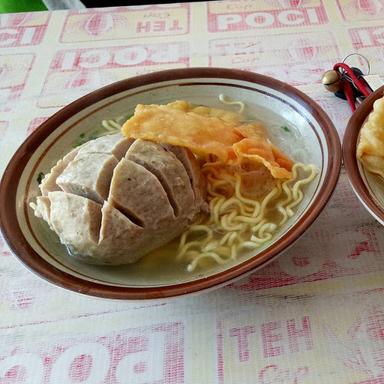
(49, 182)
(88, 175)
(139, 195)
(42, 208)
(116, 145)
(121, 240)
(170, 172)
(76, 220)
(192, 167)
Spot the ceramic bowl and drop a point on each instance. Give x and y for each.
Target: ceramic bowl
(368, 187)
(299, 125)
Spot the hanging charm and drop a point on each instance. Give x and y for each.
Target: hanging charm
(332, 80)
(347, 82)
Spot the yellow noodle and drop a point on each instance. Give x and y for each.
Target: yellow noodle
(239, 222)
(111, 126)
(215, 209)
(228, 238)
(184, 246)
(214, 256)
(296, 191)
(224, 221)
(211, 245)
(211, 191)
(223, 99)
(261, 240)
(247, 219)
(196, 228)
(248, 244)
(187, 247)
(283, 212)
(242, 208)
(266, 229)
(255, 228)
(233, 252)
(239, 196)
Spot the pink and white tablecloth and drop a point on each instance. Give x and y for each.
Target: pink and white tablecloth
(316, 315)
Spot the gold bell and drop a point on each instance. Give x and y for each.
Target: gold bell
(332, 80)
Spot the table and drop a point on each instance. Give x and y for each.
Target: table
(315, 315)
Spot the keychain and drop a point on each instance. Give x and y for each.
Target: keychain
(348, 83)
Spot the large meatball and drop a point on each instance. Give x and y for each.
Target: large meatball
(114, 199)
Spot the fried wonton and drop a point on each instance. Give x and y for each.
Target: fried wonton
(370, 149)
(208, 131)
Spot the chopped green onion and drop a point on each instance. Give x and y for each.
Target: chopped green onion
(40, 177)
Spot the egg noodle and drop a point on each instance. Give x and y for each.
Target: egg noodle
(111, 126)
(236, 222)
(224, 100)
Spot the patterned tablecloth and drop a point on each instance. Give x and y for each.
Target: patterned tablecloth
(315, 315)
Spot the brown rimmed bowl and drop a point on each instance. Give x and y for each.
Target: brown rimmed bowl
(296, 123)
(369, 188)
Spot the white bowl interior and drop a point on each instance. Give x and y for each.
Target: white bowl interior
(303, 141)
